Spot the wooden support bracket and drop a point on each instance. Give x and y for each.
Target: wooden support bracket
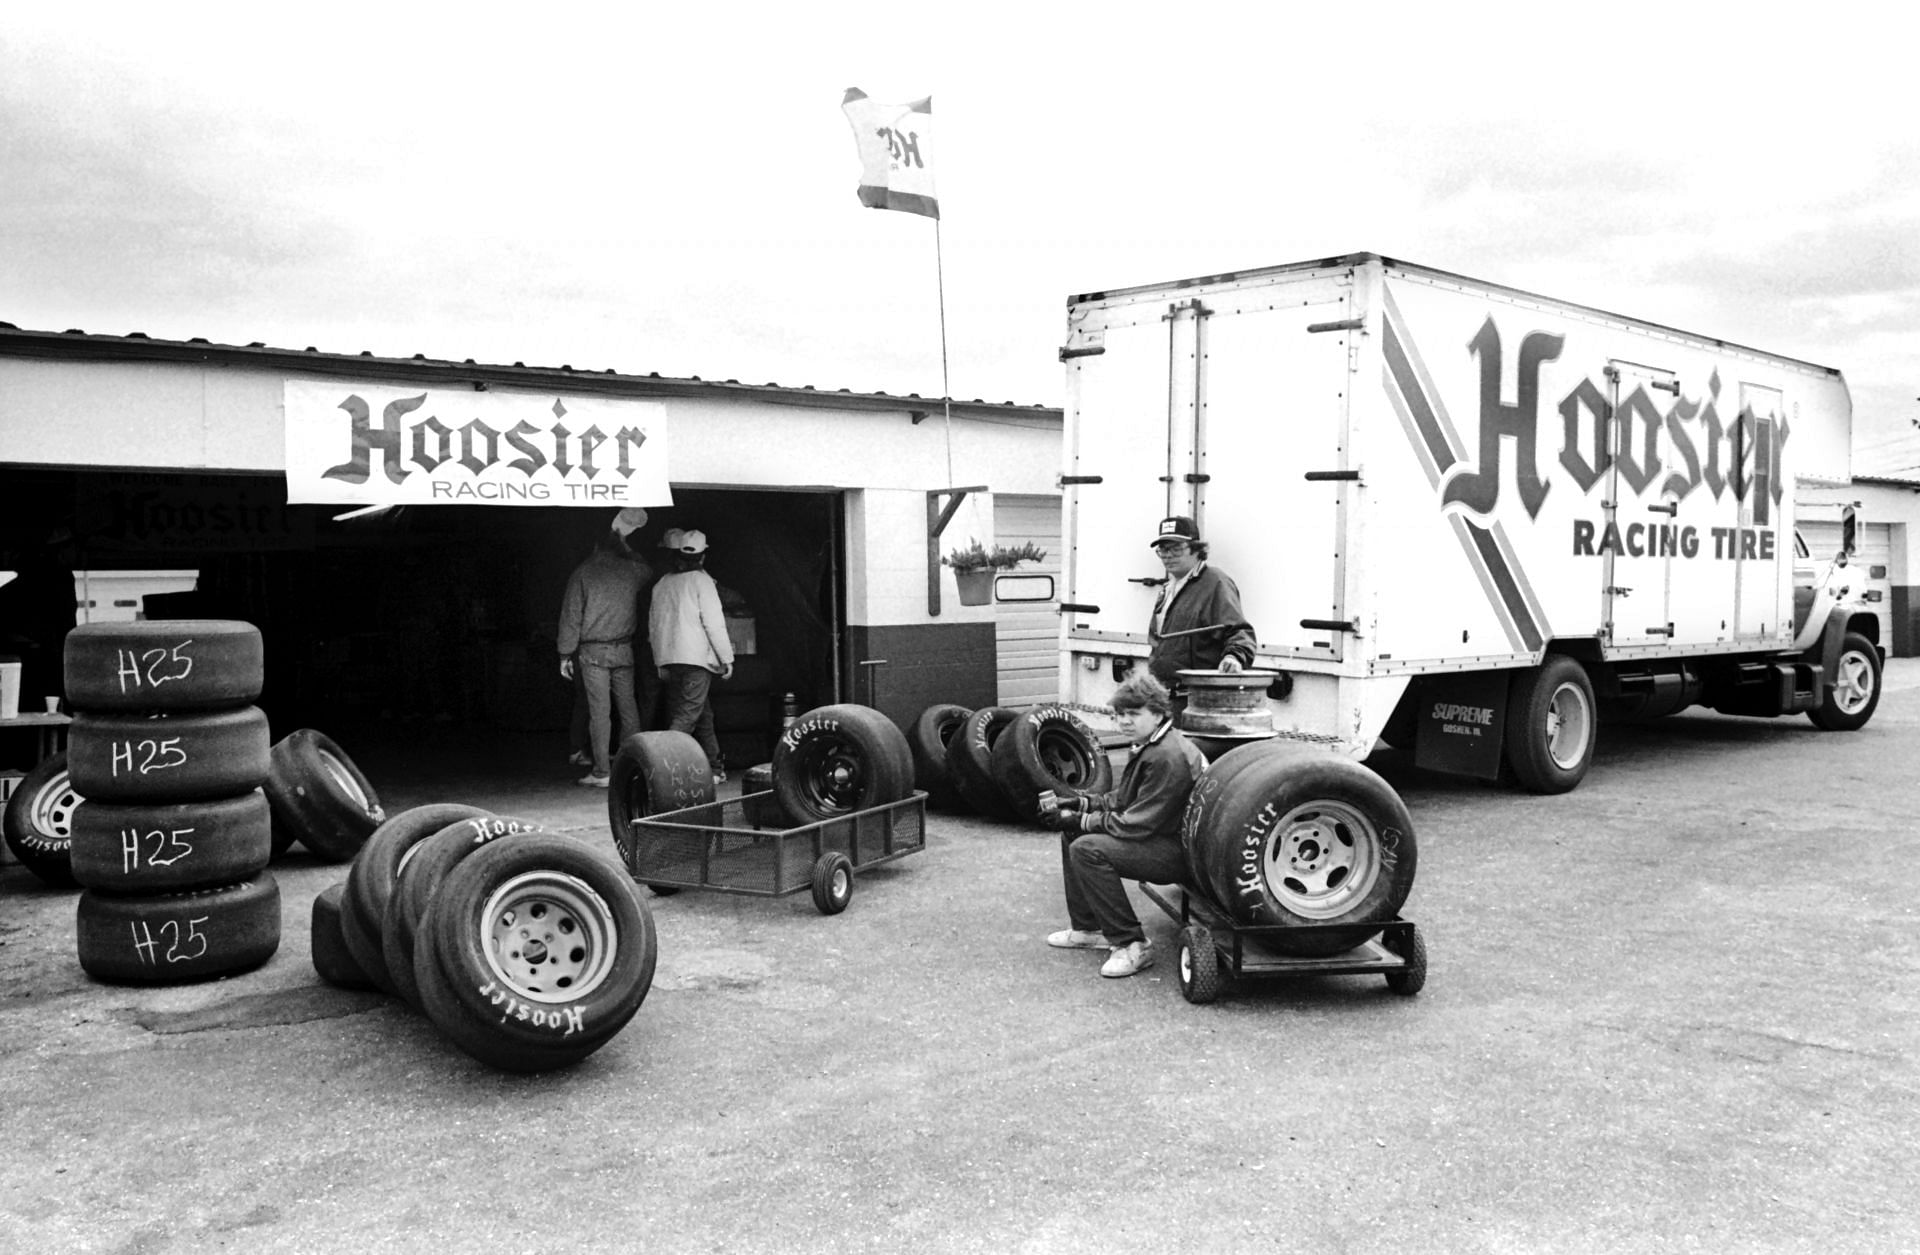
(938, 516)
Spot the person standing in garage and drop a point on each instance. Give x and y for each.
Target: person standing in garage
(688, 630)
(598, 617)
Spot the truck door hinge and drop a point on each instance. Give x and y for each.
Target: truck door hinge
(1314, 477)
(1613, 590)
(1061, 481)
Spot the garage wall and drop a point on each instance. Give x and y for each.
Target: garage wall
(1028, 645)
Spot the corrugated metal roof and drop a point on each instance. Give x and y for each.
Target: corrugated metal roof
(137, 346)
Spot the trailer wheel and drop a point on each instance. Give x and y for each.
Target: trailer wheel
(39, 822)
(929, 737)
(1551, 726)
(325, 802)
(376, 868)
(1412, 978)
(1199, 965)
(163, 664)
(332, 960)
(170, 847)
(417, 878)
(839, 759)
(832, 883)
(1300, 836)
(970, 762)
(1855, 691)
(174, 938)
(115, 757)
(1047, 748)
(654, 772)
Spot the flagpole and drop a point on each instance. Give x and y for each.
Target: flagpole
(946, 389)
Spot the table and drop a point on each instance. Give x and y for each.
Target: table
(51, 737)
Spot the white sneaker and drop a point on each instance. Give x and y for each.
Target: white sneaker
(595, 781)
(1128, 959)
(1075, 939)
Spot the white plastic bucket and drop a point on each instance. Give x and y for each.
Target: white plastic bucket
(9, 690)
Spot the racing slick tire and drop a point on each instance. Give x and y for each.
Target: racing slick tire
(39, 822)
(369, 883)
(417, 878)
(970, 762)
(836, 760)
(320, 798)
(117, 757)
(170, 847)
(654, 772)
(332, 960)
(175, 938)
(163, 665)
(1047, 747)
(928, 739)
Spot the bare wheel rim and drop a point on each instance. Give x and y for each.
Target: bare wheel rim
(549, 937)
(841, 884)
(1322, 858)
(1063, 756)
(1569, 727)
(1186, 964)
(1853, 683)
(338, 773)
(53, 805)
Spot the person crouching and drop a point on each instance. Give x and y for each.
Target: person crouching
(1132, 832)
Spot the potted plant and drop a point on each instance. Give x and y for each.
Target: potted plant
(974, 567)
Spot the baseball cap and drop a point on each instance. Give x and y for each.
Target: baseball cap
(629, 520)
(672, 539)
(693, 540)
(1179, 527)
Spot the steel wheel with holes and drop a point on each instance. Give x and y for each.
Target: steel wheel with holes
(1199, 965)
(839, 759)
(39, 822)
(1301, 837)
(319, 798)
(1854, 692)
(535, 952)
(832, 883)
(1551, 726)
(1047, 748)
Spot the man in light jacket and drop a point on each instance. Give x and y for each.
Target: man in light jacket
(690, 644)
(598, 617)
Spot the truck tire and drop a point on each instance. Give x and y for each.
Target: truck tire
(332, 960)
(319, 797)
(654, 772)
(542, 945)
(928, 739)
(171, 847)
(164, 665)
(836, 760)
(39, 822)
(369, 884)
(1296, 836)
(1552, 726)
(1047, 748)
(417, 878)
(1854, 691)
(970, 762)
(174, 938)
(167, 758)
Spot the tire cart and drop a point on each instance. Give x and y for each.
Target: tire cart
(737, 845)
(1213, 947)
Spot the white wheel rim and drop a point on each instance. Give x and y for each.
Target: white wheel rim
(549, 937)
(1853, 683)
(1322, 859)
(1569, 729)
(52, 808)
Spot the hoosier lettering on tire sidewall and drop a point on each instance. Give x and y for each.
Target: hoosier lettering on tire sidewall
(970, 762)
(163, 665)
(1047, 747)
(1297, 835)
(417, 878)
(545, 948)
(835, 760)
(174, 938)
(370, 881)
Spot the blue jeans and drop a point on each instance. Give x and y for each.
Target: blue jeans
(607, 672)
(1093, 866)
(688, 709)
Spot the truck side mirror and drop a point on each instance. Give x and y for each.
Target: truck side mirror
(1849, 531)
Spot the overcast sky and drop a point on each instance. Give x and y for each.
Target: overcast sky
(612, 187)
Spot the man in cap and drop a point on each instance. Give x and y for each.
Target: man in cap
(688, 630)
(1197, 622)
(598, 617)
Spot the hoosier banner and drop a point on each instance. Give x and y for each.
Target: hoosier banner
(357, 444)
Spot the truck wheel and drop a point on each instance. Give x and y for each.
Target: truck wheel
(417, 878)
(1551, 726)
(320, 797)
(173, 938)
(1047, 748)
(1302, 838)
(1854, 692)
(332, 960)
(655, 772)
(167, 758)
(836, 760)
(369, 884)
(171, 847)
(929, 737)
(39, 822)
(832, 883)
(163, 665)
(1412, 978)
(542, 941)
(1199, 965)
(970, 762)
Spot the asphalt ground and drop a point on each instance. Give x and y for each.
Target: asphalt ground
(1674, 1010)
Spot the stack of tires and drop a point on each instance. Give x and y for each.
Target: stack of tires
(997, 761)
(171, 835)
(527, 949)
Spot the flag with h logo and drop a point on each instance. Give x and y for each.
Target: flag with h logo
(896, 153)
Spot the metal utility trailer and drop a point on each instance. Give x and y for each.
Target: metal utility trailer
(1212, 947)
(735, 846)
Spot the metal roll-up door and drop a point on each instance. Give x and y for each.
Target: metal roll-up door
(1029, 632)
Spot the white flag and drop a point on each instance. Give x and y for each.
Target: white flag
(896, 153)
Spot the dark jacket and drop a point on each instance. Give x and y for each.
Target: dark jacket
(1209, 600)
(1152, 797)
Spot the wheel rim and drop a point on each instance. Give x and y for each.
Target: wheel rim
(1186, 964)
(338, 773)
(1853, 683)
(52, 809)
(1569, 727)
(1322, 858)
(834, 775)
(842, 884)
(1063, 757)
(549, 937)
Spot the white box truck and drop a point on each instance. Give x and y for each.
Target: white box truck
(1465, 518)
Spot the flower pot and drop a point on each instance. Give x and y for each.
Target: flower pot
(976, 587)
